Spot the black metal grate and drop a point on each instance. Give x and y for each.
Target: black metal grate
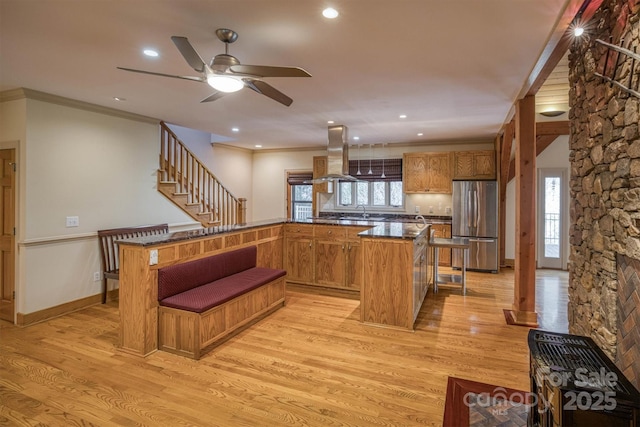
(566, 353)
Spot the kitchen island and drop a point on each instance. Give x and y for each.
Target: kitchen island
(381, 269)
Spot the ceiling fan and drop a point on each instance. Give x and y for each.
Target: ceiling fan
(226, 74)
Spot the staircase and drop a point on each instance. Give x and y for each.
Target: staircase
(184, 180)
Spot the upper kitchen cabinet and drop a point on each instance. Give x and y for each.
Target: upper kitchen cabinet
(320, 168)
(427, 172)
(474, 164)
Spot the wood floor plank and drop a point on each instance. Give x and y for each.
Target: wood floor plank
(310, 363)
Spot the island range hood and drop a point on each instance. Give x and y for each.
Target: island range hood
(337, 157)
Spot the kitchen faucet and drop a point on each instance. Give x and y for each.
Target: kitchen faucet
(424, 221)
(365, 215)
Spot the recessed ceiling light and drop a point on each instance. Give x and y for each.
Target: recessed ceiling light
(235, 130)
(330, 122)
(330, 13)
(356, 138)
(117, 98)
(420, 134)
(258, 146)
(403, 116)
(150, 52)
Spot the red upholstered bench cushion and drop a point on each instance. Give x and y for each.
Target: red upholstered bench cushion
(179, 278)
(209, 295)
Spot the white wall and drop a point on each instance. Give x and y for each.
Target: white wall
(75, 162)
(269, 180)
(555, 156)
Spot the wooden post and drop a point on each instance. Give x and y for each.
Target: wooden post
(505, 161)
(242, 211)
(524, 298)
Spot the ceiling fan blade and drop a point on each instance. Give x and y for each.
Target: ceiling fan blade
(195, 79)
(214, 96)
(267, 90)
(267, 71)
(250, 83)
(189, 53)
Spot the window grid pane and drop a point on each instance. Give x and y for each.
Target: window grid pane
(302, 193)
(345, 193)
(362, 197)
(395, 193)
(379, 193)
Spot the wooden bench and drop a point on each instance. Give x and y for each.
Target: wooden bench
(203, 302)
(109, 249)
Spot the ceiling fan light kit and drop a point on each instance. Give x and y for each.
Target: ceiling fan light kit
(225, 73)
(225, 83)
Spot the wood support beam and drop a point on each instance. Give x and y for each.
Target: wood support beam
(505, 165)
(582, 10)
(523, 311)
(555, 128)
(546, 133)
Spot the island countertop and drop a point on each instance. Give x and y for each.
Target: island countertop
(381, 229)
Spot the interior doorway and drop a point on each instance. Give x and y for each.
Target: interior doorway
(7, 234)
(551, 212)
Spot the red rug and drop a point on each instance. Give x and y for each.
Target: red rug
(470, 403)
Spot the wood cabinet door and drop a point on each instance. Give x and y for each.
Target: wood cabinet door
(299, 260)
(330, 265)
(354, 273)
(463, 164)
(474, 164)
(414, 166)
(320, 168)
(485, 164)
(439, 173)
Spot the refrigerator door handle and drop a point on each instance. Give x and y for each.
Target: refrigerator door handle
(476, 214)
(481, 240)
(468, 210)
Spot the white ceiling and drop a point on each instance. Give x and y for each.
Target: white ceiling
(454, 68)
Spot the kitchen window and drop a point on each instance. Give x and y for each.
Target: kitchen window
(373, 191)
(301, 195)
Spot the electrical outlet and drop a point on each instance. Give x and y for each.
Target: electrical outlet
(430, 209)
(97, 276)
(73, 221)
(417, 208)
(153, 257)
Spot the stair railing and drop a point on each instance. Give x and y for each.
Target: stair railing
(180, 165)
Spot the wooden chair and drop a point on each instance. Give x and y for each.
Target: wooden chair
(109, 249)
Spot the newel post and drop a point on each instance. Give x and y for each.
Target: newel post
(242, 211)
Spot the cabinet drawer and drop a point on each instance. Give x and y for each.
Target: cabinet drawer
(329, 232)
(299, 230)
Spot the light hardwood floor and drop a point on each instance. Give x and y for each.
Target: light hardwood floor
(310, 363)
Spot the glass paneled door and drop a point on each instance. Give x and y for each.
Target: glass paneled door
(551, 227)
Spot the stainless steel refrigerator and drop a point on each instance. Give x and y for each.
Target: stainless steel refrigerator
(475, 216)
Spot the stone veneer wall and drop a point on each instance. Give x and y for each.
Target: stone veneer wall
(605, 174)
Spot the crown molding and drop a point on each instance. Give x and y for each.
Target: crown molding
(24, 93)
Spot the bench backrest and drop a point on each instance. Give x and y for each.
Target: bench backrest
(178, 278)
(108, 238)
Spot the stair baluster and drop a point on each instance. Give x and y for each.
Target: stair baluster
(190, 185)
